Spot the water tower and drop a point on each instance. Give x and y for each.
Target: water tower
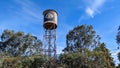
(50, 25)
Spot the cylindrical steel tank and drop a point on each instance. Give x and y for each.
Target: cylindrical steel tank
(50, 19)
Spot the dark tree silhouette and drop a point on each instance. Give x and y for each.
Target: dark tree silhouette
(84, 50)
(18, 44)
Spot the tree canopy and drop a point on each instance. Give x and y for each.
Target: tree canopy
(81, 38)
(118, 36)
(118, 42)
(19, 44)
(84, 50)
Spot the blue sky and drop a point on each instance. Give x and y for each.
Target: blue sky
(26, 15)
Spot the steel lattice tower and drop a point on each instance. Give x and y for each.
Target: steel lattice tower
(50, 25)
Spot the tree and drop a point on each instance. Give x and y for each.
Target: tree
(32, 62)
(19, 44)
(118, 36)
(105, 55)
(81, 38)
(84, 50)
(118, 42)
(100, 57)
(118, 55)
(23, 62)
(13, 62)
(20, 50)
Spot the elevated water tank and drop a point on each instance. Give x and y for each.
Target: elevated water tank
(50, 19)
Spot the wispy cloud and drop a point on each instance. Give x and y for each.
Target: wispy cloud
(29, 10)
(23, 15)
(93, 7)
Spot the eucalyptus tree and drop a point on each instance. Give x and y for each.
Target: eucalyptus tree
(103, 56)
(118, 42)
(85, 50)
(118, 36)
(81, 38)
(19, 44)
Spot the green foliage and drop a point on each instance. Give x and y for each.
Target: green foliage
(84, 50)
(118, 42)
(119, 60)
(108, 60)
(81, 38)
(119, 56)
(23, 62)
(32, 62)
(12, 62)
(88, 59)
(50, 63)
(19, 44)
(118, 36)
(20, 50)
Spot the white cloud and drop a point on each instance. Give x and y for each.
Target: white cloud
(90, 12)
(93, 6)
